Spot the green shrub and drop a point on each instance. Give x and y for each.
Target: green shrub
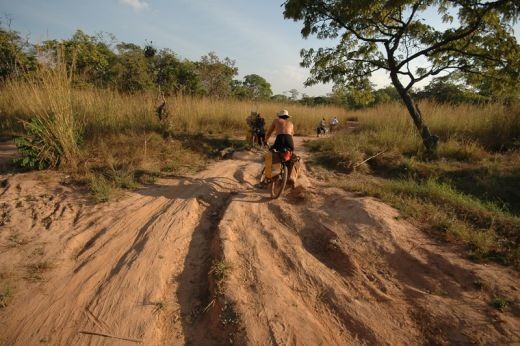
(37, 150)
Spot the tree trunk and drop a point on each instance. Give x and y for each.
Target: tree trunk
(430, 141)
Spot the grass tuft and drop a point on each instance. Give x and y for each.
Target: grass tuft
(5, 297)
(36, 270)
(220, 270)
(101, 188)
(499, 303)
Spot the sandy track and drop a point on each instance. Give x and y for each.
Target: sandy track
(318, 266)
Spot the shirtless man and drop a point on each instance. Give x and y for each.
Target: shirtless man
(284, 131)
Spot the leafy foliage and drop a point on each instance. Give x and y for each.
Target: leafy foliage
(393, 36)
(253, 87)
(90, 56)
(216, 74)
(390, 35)
(100, 61)
(14, 58)
(35, 151)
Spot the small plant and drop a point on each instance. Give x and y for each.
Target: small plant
(51, 134)
(36, 152)
(479, 284)
(159, 307)
(101, 188)
(124, 179)
(35, 270)
(499, 303)
(5, 296)
(220, 270)
(321, 298)
(147, 179)
(5, 216)
(16, 240)
(38, 252)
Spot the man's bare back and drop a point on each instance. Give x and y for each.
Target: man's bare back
(280, 127)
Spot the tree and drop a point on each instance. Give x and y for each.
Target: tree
(131, 69)
(294, 94)
(391, 35)
(14, 58)
(90, 57)
(359, 96)
(253, 87)
(257, 86)
(216, 75)
(444, 90)
(188, 78)
(165, 67)
(279, 98)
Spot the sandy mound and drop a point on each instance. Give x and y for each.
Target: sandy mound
(211, 259)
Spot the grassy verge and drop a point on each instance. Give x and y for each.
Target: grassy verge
(466, 193)
(126, 161)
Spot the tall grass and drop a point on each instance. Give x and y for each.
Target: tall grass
(493, 126)
(51, 127)
(105, 111)
(465, 192)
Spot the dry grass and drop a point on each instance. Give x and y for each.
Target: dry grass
(5, 296)
(464, 193)
(97, 112)
(111, 140)
(46, 114)
(490, 126)
(35, 271)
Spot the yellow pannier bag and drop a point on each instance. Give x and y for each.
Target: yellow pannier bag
(272, 167)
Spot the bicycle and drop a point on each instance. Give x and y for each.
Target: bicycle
(259, 138)
(276, 185)
(321, 130)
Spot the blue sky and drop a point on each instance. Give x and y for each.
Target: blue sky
(253, 33)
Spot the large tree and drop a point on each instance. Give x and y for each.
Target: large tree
(216, 74)
(475, 38)
(253, 87)
(91, 57)
(131, 70)
(258, 87)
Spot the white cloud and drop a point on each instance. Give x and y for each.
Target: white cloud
(135, 4)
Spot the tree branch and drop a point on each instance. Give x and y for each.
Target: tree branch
(327, 13)
(404, 27)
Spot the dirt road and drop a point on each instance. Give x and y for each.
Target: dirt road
(210, 259)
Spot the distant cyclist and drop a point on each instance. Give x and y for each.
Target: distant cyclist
(334, 122)
(322, 127)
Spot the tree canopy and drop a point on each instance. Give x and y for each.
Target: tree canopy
(476, 39)
(101, 61)
(14, 58)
